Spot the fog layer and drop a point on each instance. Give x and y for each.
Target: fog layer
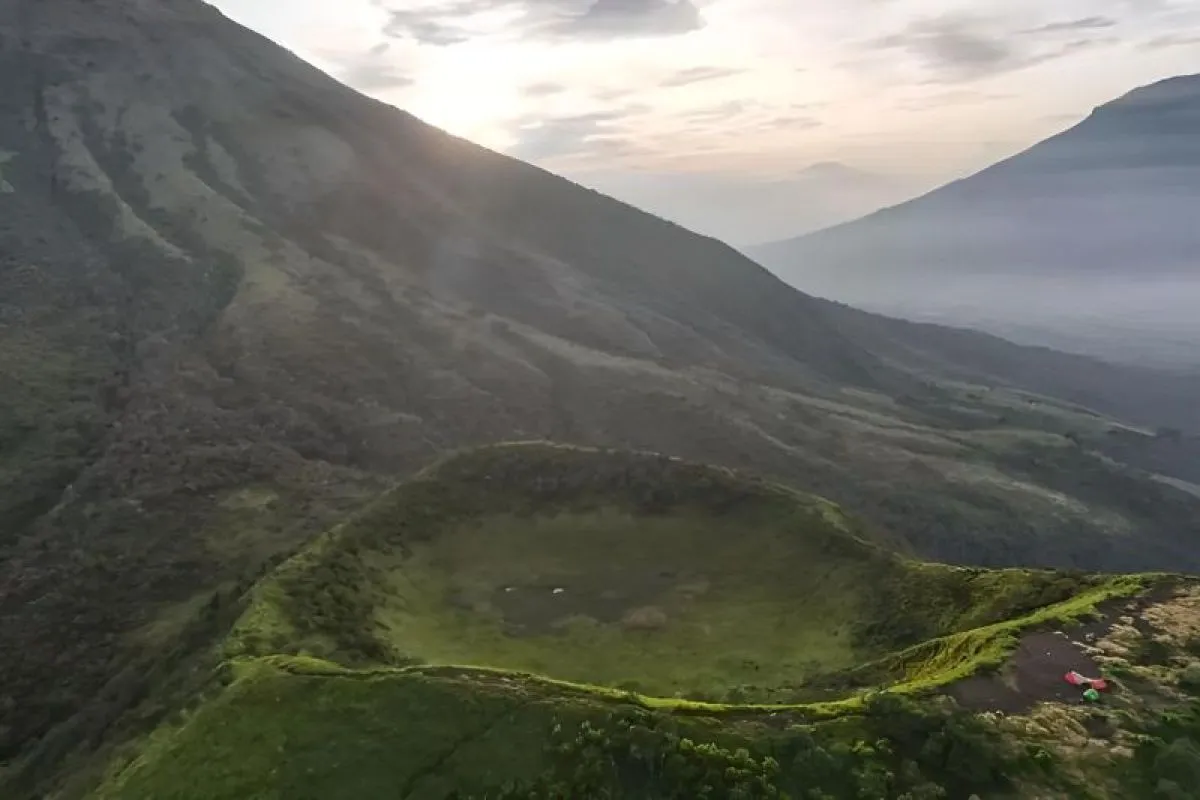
(1089, 240)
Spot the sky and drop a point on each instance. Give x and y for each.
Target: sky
(749, 120)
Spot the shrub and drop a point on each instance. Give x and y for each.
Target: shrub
(1190, 677)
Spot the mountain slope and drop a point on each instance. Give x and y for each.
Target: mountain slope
(238, 300)
(482, 703)
(1089, 233)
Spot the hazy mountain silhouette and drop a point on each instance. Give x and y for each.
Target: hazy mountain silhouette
(1087, 240)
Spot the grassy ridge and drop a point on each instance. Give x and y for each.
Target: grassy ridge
(632, 571)
(291, 733)
(936, 662)
(288, 726)
(391, 658)
(276, 733)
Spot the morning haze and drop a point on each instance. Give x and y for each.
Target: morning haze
(344, 457)
(759, 121)
(712, 112)
(1087, 241)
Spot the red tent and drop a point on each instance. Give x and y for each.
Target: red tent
(1075, 679)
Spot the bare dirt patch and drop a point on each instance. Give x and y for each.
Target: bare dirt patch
(636, 599)
(1035, 673)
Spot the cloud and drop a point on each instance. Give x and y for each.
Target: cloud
(716, 113)
(449, 22)
(1081, 24)
(1171, 40)
(789, 122)
(543, 89)
(425, 28)
(374, 71)
(367, 77)
(555, 137)
(613, 93)
(632, 18)
(945, 75)
(686, 77)
(959, 47)
(950, 97)
(953, 45)
(733, 119)
(613, 147)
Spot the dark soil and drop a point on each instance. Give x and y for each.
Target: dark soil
(1034, 675)
(1036, 671)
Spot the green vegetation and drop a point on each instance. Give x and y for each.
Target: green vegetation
(385, 659)
(237, 301)
(49, 422)
(946, 658)
(902, 751)
(637, 572)
(1166, 765)
(317, 731)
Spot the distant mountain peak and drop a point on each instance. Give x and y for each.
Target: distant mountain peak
(834, 169)
(1113, 198)
(1181, 88)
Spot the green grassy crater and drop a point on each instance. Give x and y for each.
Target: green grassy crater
(622, 570)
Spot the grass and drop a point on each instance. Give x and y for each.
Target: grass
(316, 731)
(638, 573)
(295, 727)
(447, 571)
(935, 663)
(920, 669)
(391, 658)
(666, 605)
(48, 421)
(329, 736)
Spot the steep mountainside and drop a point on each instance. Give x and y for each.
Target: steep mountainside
(533, 621)
(238, 299)
(1090, 234)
